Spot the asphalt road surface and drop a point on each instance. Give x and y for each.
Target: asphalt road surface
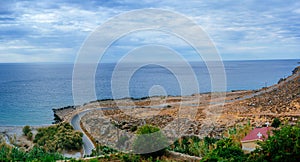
(88, 145)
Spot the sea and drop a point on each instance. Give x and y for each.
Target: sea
(29, 91)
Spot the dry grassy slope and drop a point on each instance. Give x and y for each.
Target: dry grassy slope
(282, 102)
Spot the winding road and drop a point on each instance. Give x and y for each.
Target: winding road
(88, 145)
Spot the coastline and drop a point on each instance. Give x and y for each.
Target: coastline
(43, 100)
(240, 106)
(59, 112)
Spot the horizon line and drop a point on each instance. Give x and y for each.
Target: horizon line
(69, 62)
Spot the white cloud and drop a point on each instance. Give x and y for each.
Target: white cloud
(57, 27)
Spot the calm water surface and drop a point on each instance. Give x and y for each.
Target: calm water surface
(28, 92)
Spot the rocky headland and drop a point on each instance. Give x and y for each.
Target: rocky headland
(202, 115)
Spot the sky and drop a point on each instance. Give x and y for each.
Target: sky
(54, 31)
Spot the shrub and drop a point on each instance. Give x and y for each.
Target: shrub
(283, 145)
(26, 130)
(8, 153)
(276, 123)
(133, 128)
(29, 136)
(130, 158)
(58, 138)
(93, 160)
(103, 150)
(193, 145)
(226, 150)
(150, 141)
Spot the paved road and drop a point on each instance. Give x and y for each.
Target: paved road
(88, 145)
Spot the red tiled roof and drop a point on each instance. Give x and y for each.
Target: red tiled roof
(256, 132)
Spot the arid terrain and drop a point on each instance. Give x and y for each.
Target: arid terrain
(114, 122)
(199, 114)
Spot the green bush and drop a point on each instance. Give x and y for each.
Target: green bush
(93, 160)
(103, 150)
(8, 153)
(276, 123)
(283, 145)
(58, 138)
(225, 150)
(29, 135)
(26, 130)
(130, 158)
(150, 141)
(133, 128)
(193, 145)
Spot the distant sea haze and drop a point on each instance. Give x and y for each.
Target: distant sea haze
(29, 91)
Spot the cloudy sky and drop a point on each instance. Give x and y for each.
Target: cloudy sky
(53, 31)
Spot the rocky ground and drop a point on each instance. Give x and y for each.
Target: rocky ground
(13, 136)
(283, 102)
(198, 114)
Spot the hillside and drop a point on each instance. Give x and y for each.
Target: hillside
(281, 100)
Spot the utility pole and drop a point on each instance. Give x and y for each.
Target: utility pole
(266, 83)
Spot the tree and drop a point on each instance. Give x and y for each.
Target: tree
(225, 150)
(283, 145)
(9, 153)
(29, 135)
(276, 123)
(150, 141)
(193, 145)
(26, 130)
(58, 138)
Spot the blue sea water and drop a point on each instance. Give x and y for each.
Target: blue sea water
(29, 91)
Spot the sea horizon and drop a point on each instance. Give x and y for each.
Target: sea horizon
(29, 90)
(189, 61)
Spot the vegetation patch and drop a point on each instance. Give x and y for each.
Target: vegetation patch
(58, 138)
(8, 153)
(283, 145)
(192, 145)
(150, 141)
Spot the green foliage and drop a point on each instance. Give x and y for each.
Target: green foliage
(133, 128)
(150, 141)
(58, 138)
(276, 123)
(103, 150)
(238, 132)
(8, 153)
(192, 145)
(130, 158)
(283, 145)
(29, 136)
(26, 130)
(123, 157)
(93, 160)
(225, 150)
(105, 153)
(147, 129)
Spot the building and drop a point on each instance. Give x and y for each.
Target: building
(257, 134)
